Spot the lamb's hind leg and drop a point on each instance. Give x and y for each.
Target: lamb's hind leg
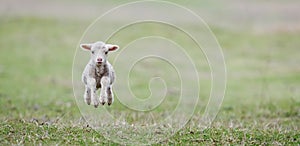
(110, 96)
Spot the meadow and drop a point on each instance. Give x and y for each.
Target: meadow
(261, 104)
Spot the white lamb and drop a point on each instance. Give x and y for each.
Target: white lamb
(98, 73)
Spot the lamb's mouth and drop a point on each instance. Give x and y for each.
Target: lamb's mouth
(99, 63)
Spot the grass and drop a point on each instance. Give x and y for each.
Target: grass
(261, 106)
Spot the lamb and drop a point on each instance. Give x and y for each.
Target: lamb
(98, 73)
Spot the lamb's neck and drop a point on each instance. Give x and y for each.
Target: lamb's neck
(100, 69)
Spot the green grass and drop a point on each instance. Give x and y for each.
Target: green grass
(37, 106)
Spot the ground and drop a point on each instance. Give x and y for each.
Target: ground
(260, 42)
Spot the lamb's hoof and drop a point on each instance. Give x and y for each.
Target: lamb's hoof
(109, 102)
(95, 103)
(88, 101)
(102, 100)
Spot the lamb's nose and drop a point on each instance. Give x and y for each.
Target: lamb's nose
(99, 59)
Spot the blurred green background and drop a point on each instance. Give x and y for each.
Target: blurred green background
(260, 41)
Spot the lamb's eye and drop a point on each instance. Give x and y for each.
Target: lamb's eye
(93, 52)
(106, 52)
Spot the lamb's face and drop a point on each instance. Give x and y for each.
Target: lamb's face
(99, 51)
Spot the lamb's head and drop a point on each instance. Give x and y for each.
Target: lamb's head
(99, 51)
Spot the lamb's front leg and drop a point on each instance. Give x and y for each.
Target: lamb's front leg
(87, 95)
(110, 95)
(92, 85)
(105, 83)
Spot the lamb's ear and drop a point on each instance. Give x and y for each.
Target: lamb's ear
(112, 47)
(86, 47)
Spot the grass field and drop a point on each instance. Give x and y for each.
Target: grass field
(261, 104)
